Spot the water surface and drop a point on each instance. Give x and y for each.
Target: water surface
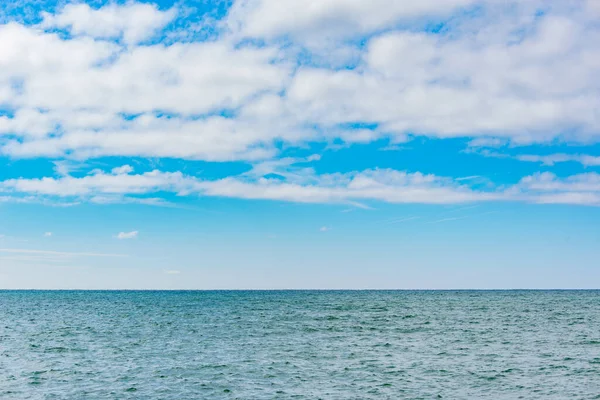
(300, 345)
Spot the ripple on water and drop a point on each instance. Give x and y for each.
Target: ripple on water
(300, 345)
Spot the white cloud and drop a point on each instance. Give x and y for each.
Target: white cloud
(328, 18)
(324, 229)
(60, 253)
(382, 185)
(298, 185)
(47, 234)
(98, 183)
(78, 95)
(172, 272)
(443, 86)
(446, 220)
(486, 142)
(64, 167)
(302, 185)
(468, 178)
(593, 7)
(133, 22)
(122, 170)
(400, 220)
(493, 76)
(549, 182)
(121, 199)
(546, 187)
(33, 199)
(214, 139)
(95, 80)
(509, 74)
(127, 235)
(551, 159)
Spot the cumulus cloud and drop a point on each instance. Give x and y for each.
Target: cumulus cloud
(456, 87)
(133, 22)
(100, 82)
(127, 235)
(549, 182)
(122, 170)
(337, 18)
(92, 98)
(494, 76)
(214, 139)
(546, 187)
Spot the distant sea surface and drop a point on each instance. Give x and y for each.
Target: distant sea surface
(300, 345)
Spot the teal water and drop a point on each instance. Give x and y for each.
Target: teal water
(300, 345)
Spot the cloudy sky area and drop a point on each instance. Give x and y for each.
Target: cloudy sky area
(300, 144)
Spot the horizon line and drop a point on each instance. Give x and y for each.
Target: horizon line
(301, 290)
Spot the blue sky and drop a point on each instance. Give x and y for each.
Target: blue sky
(311, 144)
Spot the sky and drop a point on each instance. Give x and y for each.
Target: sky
(326, 144)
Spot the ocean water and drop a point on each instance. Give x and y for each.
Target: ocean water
(300, 345)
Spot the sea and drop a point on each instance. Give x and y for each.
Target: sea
(300, 345)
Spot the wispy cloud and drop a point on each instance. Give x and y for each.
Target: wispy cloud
(468, 178)
(459, 209)
(446, 220)
(301, 186)
(66, 167)
(551, 159)
(47, 234)
(352, 188)
(469, 216)
(487, 142)
(127, 235)
(34, 258)
(400, 220)
(60, 253)
(324, 229)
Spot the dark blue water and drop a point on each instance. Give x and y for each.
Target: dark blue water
(300, 345)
